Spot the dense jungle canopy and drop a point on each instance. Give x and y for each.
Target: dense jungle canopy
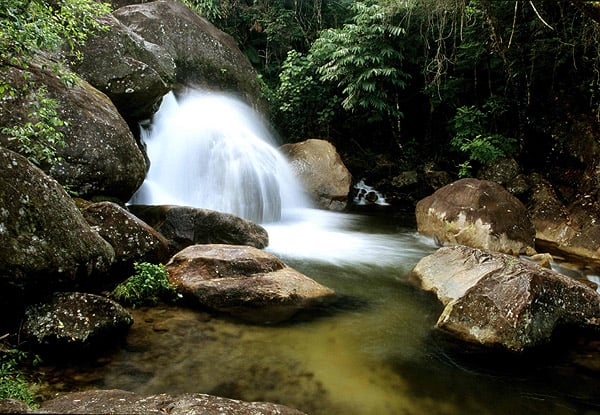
(392, 83)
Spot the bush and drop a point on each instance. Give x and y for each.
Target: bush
(13, 383)
(147, 286)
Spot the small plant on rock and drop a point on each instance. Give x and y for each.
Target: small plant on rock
(147, 286)
(13, 381)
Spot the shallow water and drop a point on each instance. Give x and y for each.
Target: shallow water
(372, 352)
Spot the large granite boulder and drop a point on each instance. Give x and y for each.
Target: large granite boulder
(151, 47)
(243, 281)
(476, 213)
(46, 243)
(323, 173)
(74, 322)
(101, 156)
(498, 300)
(132, 239)
(184, 226)
(122, 402)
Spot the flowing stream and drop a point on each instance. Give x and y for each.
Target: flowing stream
(373, 352)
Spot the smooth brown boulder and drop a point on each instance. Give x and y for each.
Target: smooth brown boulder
(319, 167)
(498, 300)
(243, 281)
(477, 213)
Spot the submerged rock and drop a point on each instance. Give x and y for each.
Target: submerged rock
(494, 299)
(322, 171)
(476, 213)
(75, 322)
(122, 402)
(243, 281)
(184, 226)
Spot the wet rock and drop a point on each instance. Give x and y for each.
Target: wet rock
(46, 243)
(476, 213)
(184, 226)
(101, 156)
(320, 168)
(122, 402)
(132, 239)
(497, 300)
(75, 322)
(243, 281)
(13, 406)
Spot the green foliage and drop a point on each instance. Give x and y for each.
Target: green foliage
(149, 284)
(27, 27)
(365, 59)
(473, 138)
(13, 382)
(300, 98)
(210, 9)
(38, 138)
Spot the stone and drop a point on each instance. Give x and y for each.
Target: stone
(100, 156)
(46, 242)
(499, 301)
(319, 167)
(122, 402)
(132, 239)
(243, 281)
(184, 226)
(476, 213)
(74, 322)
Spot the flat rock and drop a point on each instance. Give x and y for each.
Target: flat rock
(243, 281)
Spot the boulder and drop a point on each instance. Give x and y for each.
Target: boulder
(569, 231)
(476, 213)
(74, 322)
(153, 46)
(101, 156)
(46, 242)
(319, 167)
(134, 74)
(184, 226)
(122, 402)
(498, 300)
(132, 239)
(243, 281)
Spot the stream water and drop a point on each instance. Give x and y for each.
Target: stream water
(373, 352)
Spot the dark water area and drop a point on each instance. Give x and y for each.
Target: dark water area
(374, 351)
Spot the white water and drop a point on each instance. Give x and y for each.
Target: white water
(212, 151)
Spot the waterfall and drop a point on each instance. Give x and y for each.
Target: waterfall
(213, 151)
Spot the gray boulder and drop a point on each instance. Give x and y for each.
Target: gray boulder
(476, 213)
(152, 47)
(243, 281)
(122, 402)
(74, 322)
(319, 167)
(498, 300)
(184, 226)
(132, 239)
(46, 242)
(101, 156)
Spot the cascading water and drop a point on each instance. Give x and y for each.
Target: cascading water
(212, 151)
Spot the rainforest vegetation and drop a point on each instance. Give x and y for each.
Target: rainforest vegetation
(451, 82)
